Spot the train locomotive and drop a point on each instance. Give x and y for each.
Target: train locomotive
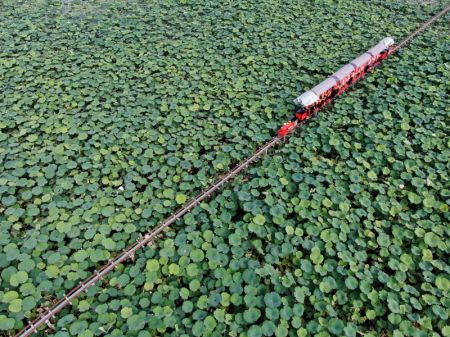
(313, 100)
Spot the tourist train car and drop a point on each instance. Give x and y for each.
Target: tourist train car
(314, 99)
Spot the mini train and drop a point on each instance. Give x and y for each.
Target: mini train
(313, 100)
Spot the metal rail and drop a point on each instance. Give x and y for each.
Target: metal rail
(129, 252)
(421, 28)
(141, 242)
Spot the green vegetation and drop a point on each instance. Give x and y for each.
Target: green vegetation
(113, 114)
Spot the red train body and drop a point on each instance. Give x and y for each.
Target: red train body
(313, 100)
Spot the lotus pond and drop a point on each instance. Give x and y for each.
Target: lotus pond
(113, 114)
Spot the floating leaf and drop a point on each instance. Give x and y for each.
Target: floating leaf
(18, 278)
(181, 198)
(272, 300)
(6, 323)
(152, 265)
(259, 219)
